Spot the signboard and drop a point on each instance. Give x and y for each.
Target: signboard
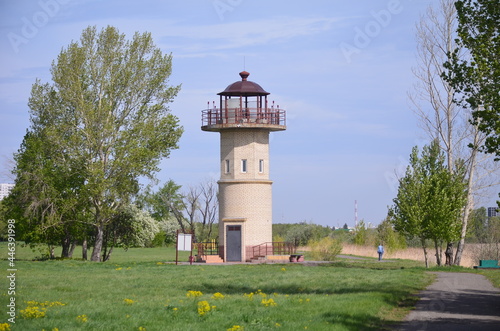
(184, 242)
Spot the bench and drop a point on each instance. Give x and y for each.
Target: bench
(296, 258)
(487, 264)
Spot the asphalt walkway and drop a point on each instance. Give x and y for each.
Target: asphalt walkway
(456, 301)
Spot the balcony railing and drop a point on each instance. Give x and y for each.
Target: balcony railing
(263, 116)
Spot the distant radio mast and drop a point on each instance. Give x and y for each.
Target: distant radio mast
(355, 213)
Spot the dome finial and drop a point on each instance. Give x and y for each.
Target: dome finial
(244, 75)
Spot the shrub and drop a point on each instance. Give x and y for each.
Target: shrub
(325, 249)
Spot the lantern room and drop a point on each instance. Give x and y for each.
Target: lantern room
(243, 104)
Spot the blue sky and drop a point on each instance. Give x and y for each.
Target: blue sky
(341, 69)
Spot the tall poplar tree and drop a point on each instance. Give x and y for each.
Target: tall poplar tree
(477, 78)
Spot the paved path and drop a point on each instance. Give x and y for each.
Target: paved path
(456, 301)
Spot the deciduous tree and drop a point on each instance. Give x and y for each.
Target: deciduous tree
(433, 100)
(105, 118)
(477, 77)
(430, 199)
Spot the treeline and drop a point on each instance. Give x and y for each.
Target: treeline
(151, 220)
(482, 230)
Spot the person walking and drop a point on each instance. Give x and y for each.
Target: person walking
(380, 251)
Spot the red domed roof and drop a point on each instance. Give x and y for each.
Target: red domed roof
(244, 87)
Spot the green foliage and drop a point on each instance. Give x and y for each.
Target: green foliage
(132, 227)
(478, 225)
(301, 233)
(169, 226)
(360, 233)
(195, 210)
(343, 235)
(164, 203)
(159, 240)
(278, 238)
(325, 249)
(364, 235)
(477, 78)
(391, 239)
(100, 126)
(280, 229)
(430, 199)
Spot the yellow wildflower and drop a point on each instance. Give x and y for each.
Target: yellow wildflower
(194, 294)
(235, 328)
(218, 295)
(82, 318)
(268, 302)
(4, 327)
(128, 301)
(33, 312)
(203, 307)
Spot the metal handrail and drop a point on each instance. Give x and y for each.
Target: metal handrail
(273, 248)
(273, 116)
(208, 248)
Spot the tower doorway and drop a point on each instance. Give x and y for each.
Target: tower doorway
(233, 243)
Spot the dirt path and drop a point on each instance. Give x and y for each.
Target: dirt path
(456, 301)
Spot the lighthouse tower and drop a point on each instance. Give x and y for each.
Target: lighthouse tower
(244, 118)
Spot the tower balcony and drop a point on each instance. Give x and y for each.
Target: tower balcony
(216, 119)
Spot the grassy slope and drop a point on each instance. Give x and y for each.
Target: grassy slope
(342, 296)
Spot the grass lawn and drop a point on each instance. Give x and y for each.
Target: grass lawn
(137, 290)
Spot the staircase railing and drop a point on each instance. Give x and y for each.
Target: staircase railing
(208, 248)
(273, 248)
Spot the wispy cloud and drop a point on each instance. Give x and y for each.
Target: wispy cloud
(243, 34)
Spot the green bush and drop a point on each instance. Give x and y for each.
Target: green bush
(325, 249)
(159, 239)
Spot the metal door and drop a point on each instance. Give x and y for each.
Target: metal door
(233, 243)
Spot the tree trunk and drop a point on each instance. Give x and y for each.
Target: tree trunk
(84, 249)
(425, 253)
(449, 254)
(470, 199)
(107, 256)
(99, 237)
(51, 252)
(72, 248)
(465, 220)
(438, 252)
(66, 243)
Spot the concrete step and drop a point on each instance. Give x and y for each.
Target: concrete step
(212, 259)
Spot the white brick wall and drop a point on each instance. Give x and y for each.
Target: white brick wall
(246, 195)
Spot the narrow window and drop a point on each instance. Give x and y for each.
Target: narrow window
(243, 165)
(227, 167)
(261, 166)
